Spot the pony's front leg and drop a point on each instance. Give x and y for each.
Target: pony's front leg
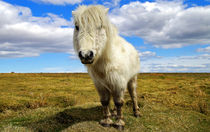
(118, 100)
(106, 121)
(105, 99)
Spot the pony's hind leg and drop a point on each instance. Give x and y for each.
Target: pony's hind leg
(132, 91)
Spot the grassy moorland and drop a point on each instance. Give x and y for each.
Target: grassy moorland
(69, 102)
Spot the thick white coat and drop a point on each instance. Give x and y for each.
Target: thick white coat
(116, 61)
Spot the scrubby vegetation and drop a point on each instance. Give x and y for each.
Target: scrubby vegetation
(69, 102)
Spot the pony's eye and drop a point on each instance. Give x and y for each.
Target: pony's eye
(77, 28)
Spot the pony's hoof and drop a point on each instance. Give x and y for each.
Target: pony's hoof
(119, 124)
(120, 128)
(137, 114)
(106, 122)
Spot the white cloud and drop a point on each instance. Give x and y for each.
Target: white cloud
(163, 24)
(206, 49)
(23, 35)
(150, 62)
(10, 54)
(59, 2)
(116, 2)
(166, 24)
(147, 55)
(73, 55)
(197, 63)
(112, 3)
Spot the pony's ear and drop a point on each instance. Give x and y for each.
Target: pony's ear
(107, 10)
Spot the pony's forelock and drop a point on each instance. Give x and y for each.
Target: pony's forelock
(90, 16)
(93, 16)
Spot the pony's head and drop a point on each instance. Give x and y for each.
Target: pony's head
(91, 32)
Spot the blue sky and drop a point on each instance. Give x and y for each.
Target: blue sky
(170, 36)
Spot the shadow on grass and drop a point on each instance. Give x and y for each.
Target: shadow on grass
(66, 118)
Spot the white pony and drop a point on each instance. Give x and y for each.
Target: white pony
(111, 62)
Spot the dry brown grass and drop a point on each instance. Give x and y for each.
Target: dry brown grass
(69, 102)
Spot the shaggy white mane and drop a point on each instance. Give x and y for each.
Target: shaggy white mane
(91, 17)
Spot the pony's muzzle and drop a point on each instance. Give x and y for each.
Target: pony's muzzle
(86, 57)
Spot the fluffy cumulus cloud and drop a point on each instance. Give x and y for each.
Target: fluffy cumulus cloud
(23, 35)
(166, 24)
(59, 2)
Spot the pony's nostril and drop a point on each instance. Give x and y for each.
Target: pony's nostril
(91, 54)
(80, 54)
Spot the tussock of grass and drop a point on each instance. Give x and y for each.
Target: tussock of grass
(69, 102)
(12, 128)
